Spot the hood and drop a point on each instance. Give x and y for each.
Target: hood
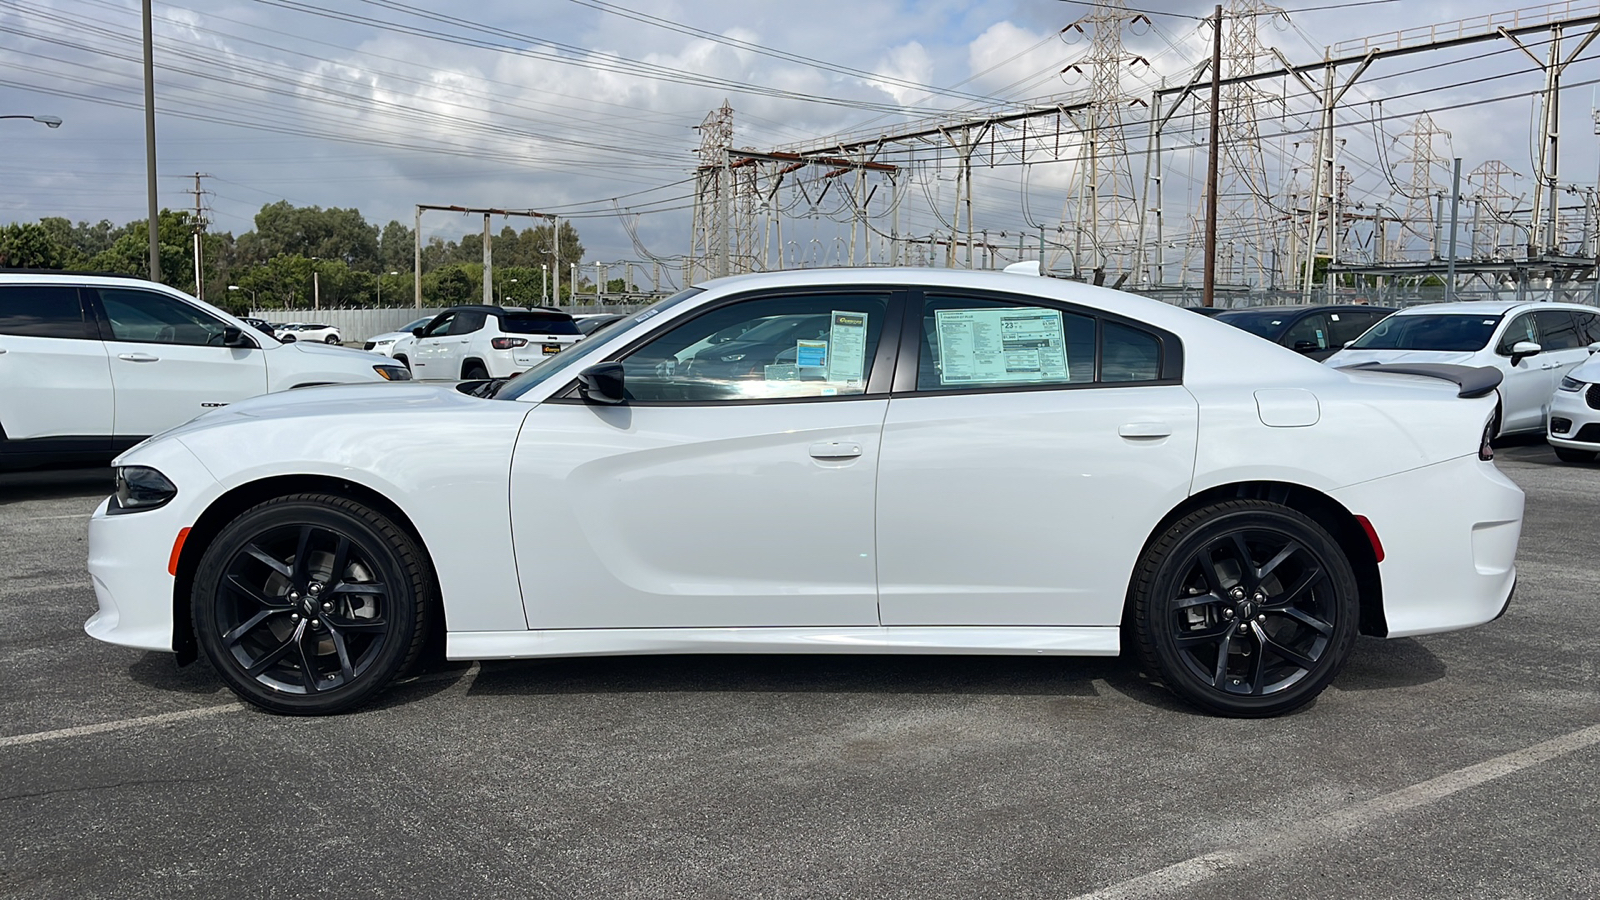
(388, 336)
(341, 401)
(1587, 371)
(1450, 357)
(317, 348)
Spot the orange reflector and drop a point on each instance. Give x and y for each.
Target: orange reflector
(177, 551)
(1372, 535)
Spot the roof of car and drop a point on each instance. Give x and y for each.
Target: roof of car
(1486, 307)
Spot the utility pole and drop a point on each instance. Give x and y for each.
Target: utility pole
(416, 262)
(150, 146)
(1455, 218)
(1209, 290)
(488, 262)
(199, 229)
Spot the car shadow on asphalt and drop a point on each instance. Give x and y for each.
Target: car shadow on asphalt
(1059, 676)
(1380, 664)
(54, 484)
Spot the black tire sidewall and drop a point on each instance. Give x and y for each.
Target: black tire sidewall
(1166, 562)
(365, 528)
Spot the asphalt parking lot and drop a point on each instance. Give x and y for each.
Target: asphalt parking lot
(1457, 765)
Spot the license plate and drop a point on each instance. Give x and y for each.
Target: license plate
(551, 348)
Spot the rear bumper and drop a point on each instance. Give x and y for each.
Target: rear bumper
(1450, 533)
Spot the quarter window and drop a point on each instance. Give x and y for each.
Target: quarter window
(43, 311)
(773, 348)
(1130, 355)
(150, 318)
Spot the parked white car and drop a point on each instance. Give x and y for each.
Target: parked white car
(1574, 430)
(385, 343)
(92, 365)
(1532, 345)
(470, 342)
(957, 462)
(305, 331)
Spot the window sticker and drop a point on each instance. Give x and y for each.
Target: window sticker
(848, 335)
(811, 354)
(1001, 346)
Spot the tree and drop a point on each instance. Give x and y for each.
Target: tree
(283, 229)
(396, 247)
(129, 254)
(28, 245)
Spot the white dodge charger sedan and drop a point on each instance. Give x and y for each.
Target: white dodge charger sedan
(829, 461)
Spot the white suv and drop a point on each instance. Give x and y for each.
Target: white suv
(468, 342)
(1532, 344)
(90, 365)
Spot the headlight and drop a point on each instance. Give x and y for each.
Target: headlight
(141, 487)
(381, 343)
(393, 373)
(1569, 383)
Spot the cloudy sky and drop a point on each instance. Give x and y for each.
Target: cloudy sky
(584, 106)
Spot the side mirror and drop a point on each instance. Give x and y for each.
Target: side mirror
(234, 337)
(417, 332)
(602, 383)
(1594, 347)
(1523, 349)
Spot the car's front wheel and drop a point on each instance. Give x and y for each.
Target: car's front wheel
(1244, 608)
(331, 339)
(311, 604)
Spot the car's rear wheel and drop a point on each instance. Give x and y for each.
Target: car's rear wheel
(1245, 608)
(311, 604)
(1574, 456)
(473, 371)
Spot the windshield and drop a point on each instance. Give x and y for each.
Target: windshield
(583, 350)
(1430, 331)
(1262, 323)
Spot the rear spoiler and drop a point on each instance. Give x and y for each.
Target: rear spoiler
(1474, 381)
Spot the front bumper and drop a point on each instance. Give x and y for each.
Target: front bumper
(1574, 424)
(129, 554)
(1450, 533)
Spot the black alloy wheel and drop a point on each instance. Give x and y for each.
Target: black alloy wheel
(311, 604)
(474, 371)
(1245, 608)
(331, 339)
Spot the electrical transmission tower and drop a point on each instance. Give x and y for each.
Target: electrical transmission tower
(1419, 225)
(709, 251)
(1244, 219)
(1494, 231)
(198, 228)
(1102, 208)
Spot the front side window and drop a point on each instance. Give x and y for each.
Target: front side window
(1522, 328)
(43, 311)
(772, 348)
(1346, 326)
(151, 318)
(440, 326)
(1308, 334)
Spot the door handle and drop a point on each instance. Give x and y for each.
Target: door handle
(2, 350)
(138, 357)
(835, 450)
(1145, 430)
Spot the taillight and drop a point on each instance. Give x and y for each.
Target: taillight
(506, 343)
(1485, 448)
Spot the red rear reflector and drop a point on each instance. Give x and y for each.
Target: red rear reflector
(1372, 535)
(177, 551)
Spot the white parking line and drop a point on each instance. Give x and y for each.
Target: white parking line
(119, 725)
(1179, 876)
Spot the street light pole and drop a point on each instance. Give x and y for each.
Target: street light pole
(150, 146)
(47, 121)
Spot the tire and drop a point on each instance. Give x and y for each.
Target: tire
(331, 339)
(404, 362)
(1248, 561)
(473, 371)
(1574, 456)
(294, 631)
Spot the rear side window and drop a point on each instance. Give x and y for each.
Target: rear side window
(467, 321)
(533, 323)
(43, 311)
(1556, 330)
(970, 343)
